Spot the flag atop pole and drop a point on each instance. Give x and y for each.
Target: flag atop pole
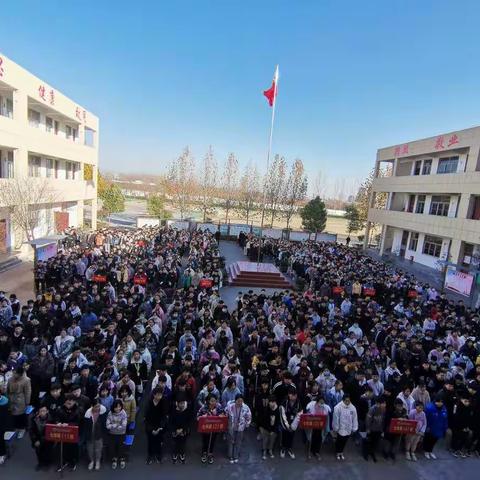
(271, 93)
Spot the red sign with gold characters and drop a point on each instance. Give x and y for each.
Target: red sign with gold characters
(313, 422)
(61, 433)
(402, 426)
(212, 424)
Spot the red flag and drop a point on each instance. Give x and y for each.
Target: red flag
(271, 93)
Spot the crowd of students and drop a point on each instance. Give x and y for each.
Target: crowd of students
(128, 333)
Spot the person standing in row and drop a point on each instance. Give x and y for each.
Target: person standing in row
(43, 449)
(269, 423)
(437, 425)
(94, 430)
(116, 425)
(180, 422)
(19, 391)
(374, 426)
(344, 423)
(212, 408)
(318, 407)
(411, 441)
(289, 416)
(239, 419)
(156, 421)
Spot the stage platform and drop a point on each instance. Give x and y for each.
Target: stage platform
(252, 274)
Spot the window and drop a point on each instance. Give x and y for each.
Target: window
(6, 164)
(413, 241)
(49, 168)
(71, 169)
(411, 203)
(417, 167)
(34, 164)
(440, 205)
(420, 204)
(33, 118)
(474, 207)
(68, 170)
(467, 254)
(6, 107)
(74, 134)
(447, 165)
(432, 246)
(55, 127)
(56, 167)
(89, 139)
(48, 124)
(68, 131)
(427, 166)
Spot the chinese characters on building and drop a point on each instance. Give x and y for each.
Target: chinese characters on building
(81, 114)
(441, 142)
(42, 93)
(1, 67)
(401, 150)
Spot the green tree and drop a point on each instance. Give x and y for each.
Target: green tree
(354, 222)
(156, 206)
(112, 197)
(314, 215)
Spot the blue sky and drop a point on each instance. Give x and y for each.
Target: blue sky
(355, 75)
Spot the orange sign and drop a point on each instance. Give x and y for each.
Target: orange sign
(313, 422)
(402, 426)
(210, 424)
(61, 433)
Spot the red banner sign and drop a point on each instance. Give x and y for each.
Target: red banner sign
(61, 433)
(209, 424)
(99, 278)
(401, 426)
(412, 294)
(369, 292)
(337, 290)
(140, 280)
(205, 283)
(312, 422)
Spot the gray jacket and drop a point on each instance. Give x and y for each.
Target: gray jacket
(375, 421)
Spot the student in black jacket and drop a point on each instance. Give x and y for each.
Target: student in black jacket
(53, 399)
(392, 441)
(462, 425)
(156, 420)
(179, 422)
(269, 423)
(69, 414)
(94, 432)
(43, 449)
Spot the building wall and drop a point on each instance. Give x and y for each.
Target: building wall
(17, 134)
(456, 228)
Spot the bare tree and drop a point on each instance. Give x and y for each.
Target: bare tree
(180, 181)
(248, 192)
(229, 184)
(319, 187)
(208, 183)
(295, 190)
(25, 197)
(274, 186)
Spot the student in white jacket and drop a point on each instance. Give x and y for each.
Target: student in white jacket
(345, 422)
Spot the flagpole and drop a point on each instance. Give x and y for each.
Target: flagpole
(268, 160)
